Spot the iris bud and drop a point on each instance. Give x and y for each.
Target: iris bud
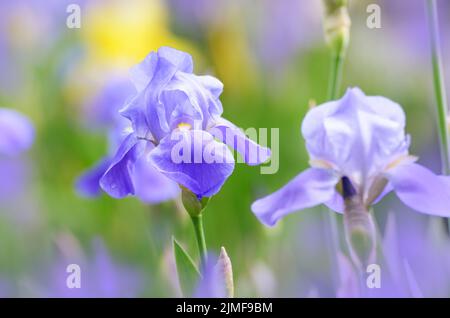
(193, 205)
(337, 25)
(359, 226)
(225, 269)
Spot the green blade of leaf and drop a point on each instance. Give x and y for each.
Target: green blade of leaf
(188, 274)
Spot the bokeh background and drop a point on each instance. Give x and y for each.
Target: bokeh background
(273, 61)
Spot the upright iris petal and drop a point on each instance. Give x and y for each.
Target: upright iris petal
(176, 116)
(360, 139)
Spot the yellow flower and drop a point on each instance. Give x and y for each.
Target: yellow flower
(117, 35)
(122, 33)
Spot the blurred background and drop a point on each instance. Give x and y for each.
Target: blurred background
(273, 61)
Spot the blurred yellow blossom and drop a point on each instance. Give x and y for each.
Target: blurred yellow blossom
(116, 35)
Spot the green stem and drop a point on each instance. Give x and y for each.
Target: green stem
(337, 61)
(200, 236)
(334, 82)
(439, 87)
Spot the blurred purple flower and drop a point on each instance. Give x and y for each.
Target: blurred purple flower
(176, 110)
(277, 30)
(16, 136)
(16, 132)
(100, 277)
(415, 263)
(361, 138)
(212, 282)
(150, 185)
(286, 27)
(28, 30)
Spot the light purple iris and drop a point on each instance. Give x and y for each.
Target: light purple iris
(16, 136)
(212, 283)
(16, 133)
(150, 185)
(174, 108)
(100, 276)
(362, 138)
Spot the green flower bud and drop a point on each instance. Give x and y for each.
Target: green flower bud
(336, 25)
(225, 269)
(191, 203)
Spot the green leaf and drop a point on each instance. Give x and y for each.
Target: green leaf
(188, 274)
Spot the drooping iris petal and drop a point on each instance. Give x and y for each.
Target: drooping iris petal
(88, 184)
(251, 152)
(195, 160)
(336, 203)
(152, 186)
(16, 132)
(421, 189)
(311, 187)
(118, 178)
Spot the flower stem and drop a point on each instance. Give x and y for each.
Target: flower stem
(334, 82)
(200, 236)
(439, 87)
(338, 38)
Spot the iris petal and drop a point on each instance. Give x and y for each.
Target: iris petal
(117, 180)
(88, 184)
(310, 188)
(152, 186)
(421, 189)
(251, 152)
(182, 157)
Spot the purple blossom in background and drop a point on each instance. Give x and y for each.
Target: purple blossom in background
(150, 185)
(175, 109)
(100, 277)
(28, 30)
(16, 136)
(285, 28)
(16, 132)
(361, 138)
(415, 262)
(277, 30)
(212, 282)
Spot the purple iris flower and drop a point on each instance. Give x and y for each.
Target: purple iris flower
(212, 283)
(174, 114)
(359, 139)
(100, 276)
(16, 136)
(150, 185)
(16, 133)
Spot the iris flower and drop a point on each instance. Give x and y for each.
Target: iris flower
(150, 185)
(361, 141)
(16, 133)
(16, 136)
(173, 112)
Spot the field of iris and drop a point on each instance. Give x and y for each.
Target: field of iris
(65, 74)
